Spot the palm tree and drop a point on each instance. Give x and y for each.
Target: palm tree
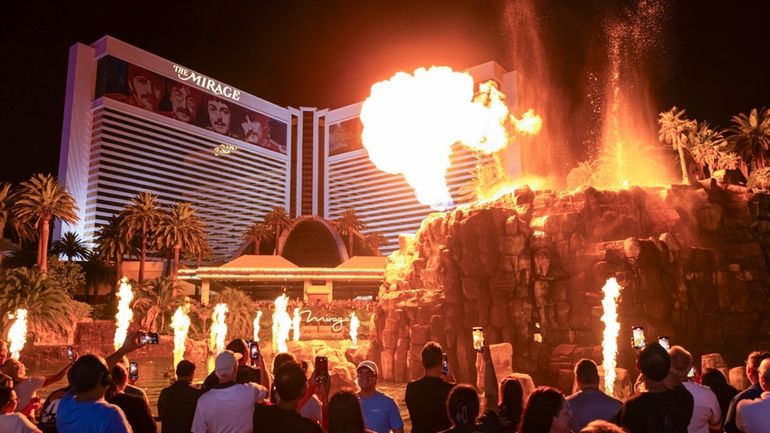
(674, 130)
(375, 240)
(5, 206)
(749, 137)
(278, 220)
(112, 242)
(257, 232)
(180, 228)
(42, 198)
(141, 216)
(71, 246)
(240, 317)
(98, 273)
(156, 300)
(706, 147)
(347, 224)
(48, 305)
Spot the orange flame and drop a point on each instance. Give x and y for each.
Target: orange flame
(124, 315)
(218, 329)
(281, 324)
(256, 325)
(180, 322)
(412, 120)
(17, 334)
(611, 292)
(529, 124)
(354, 324)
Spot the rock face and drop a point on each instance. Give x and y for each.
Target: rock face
(530, 267)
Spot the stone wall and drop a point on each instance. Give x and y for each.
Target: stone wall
(529, 268)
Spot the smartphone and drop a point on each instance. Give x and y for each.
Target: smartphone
(691, 373)
(149, 338)
(478, 338)
(444, 365)
(254, 350)
(664, 342)
(638, 337)
(321, 369)
(70, 353)
(133, 370)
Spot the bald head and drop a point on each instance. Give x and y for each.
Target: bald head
(681, 362)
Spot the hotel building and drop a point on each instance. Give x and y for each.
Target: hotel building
(137, 122)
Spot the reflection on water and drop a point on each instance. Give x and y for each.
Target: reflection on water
(156, 374)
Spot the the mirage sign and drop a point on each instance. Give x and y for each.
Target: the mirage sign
(207, 83)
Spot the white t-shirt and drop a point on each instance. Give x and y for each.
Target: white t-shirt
(706, 409)
(27, 389)
(16, 423)
(228, 410)
(753, 416)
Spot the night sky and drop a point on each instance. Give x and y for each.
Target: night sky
(714, 60)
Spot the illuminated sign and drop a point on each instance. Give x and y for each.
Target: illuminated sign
(207, 83)
(224, 149)
(335, 322)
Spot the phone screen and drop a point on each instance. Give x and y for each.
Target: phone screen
(638, 337)
(133, 370)
(478, 338)
(149, 338)
(254, 350)
(444, 365)
(691, 373)
(70, 353)
(321, 369)
(664, 342)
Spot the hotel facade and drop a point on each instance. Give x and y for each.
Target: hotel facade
(136, 122)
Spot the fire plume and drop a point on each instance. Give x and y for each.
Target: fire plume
(218, 329)
(124, 315)
(354, 324)
(180, 322)
(411, 122)
(529, 124)
(611, 292)
(17, 334)
(281, 324)
(256, 325)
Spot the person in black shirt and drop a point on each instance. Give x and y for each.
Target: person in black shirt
(135, 408)
(725, 392)
(290, 384)
(246, 373)
(660, 409)
(426, 397)
(176, 404)
(345, 414)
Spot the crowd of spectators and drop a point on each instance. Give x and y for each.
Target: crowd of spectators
(242, 396)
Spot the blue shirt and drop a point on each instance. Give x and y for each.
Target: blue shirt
(591, 404)
(96, 416)
(380, 413)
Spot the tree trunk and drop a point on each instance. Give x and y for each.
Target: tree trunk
(277, 235)
(143, 255)
(44, 245)
(256, 245)
(683, 164)
(350, 243)
(175, 263)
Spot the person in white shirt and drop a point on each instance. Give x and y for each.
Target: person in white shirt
(229, 406)
(706, 414)
(753, 416)
(10, 421)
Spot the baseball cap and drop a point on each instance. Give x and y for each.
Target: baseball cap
(227, 360)
(370, 365)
